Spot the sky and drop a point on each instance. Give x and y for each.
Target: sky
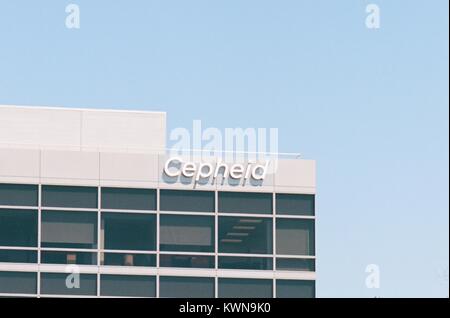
(371, 106)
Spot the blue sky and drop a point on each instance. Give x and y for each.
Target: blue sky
(371, 106)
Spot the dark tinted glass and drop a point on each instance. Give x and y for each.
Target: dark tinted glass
(8, 256)
(295, 237)
(128, 286)
(245, 235)
(67, 284)
(245, 288)
(127, 231)
(190, 261)
(261, 263)
(69, 197)
(18, 228)
(69, 229)
(188, 201)
(245, 202)
(186, 287)
(18, 283)
(18, 194)
(293, 264)
(124, 259)
(296, 289)
(187, 233)
(80, 258)
(129, 199)
(295, 204)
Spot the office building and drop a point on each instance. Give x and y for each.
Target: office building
(93, 205)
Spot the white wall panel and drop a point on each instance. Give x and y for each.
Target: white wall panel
(79, 165)
(19, 165)
(296, 176)
(39, 126)
(66, 128)
(128, 167)
(123, 130)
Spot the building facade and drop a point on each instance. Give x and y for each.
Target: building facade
(92, 205)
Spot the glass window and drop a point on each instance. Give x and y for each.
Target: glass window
(245, 202)
(261, 263)
(129, 199)
(245, 235)
(295, 264)
(295, 237)
(18, 283)
(187, 233)
(66, 284)
(245, 288)
(190, 261)
(127, 259)
(187, 201)
(128, 286)
(80, 258)
(296, 289)
(18, 228)
(69, 197)
(128, 231)
(18, 194)
(69, 229)
(186, 287)
(13, 256)
(295, 204)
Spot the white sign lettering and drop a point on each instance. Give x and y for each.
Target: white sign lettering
(176, 167)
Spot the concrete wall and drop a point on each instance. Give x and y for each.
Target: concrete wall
(64, 128)
(112, 148)
(136, 170)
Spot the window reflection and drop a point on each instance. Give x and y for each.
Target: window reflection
(18, 282)
(245, 288)
(130, 199)
(295, 289)
(68, 257)
(186, 287)
(259, 263)
(295, 264)
(69, 229)
(295, 204)
(18, 194)
(128, 259)
(245, 202)
(189, 261)
(187, 233)
(18, 228)
(128, 231)
(245, 235)
(55, 284)
(18, 256)
(295, 237)
(69, 197)
(128, 285)
(188, 201)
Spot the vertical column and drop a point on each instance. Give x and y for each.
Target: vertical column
(274, 242)
(38, 274)
(99, 236)
(315, 242)
(158, 193)
(216, 243)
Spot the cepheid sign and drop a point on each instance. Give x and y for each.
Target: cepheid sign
(176, 166)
